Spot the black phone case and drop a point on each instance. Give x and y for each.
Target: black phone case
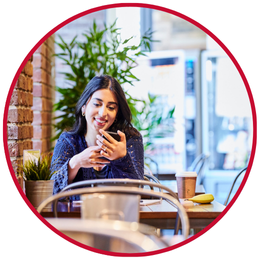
(116, 136)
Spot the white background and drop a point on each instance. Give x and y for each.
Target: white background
(24, 23)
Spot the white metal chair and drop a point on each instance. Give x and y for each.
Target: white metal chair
(129, 183)
(147, 170)
(233, 184)
(151, 178)
(111, 235)
(198, 166)
(150, 160)
(118, 186)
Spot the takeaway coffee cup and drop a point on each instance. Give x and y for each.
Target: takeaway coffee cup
(186, 183)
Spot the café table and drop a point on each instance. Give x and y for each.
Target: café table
(163, 215)
(158, 213)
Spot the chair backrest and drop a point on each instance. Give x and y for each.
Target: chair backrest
(233, 184)
(150, 160)
(110, 206)
(147, 170)
(151, 178)
(111, 235)
(169, 196)
(198, 166)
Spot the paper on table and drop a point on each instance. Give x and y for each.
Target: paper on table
(149, 202)
(142, 202)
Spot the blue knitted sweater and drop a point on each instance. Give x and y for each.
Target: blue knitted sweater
(131, 166)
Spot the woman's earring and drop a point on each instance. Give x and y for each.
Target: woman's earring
(83, 114)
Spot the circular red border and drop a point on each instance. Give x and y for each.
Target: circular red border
(141, 5)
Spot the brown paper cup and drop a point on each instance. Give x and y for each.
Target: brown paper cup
(186, 184)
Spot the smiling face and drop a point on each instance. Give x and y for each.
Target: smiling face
(100, 111)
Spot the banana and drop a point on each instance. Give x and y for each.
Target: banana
(203, 198)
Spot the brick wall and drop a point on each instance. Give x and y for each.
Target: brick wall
(30, 111)
(43, 93)
(20, 117)
(29, 123)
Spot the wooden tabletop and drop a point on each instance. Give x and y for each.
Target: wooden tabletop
(160, 214)
(163, 215)
(157, 213)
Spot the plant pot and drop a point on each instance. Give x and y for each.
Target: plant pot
(38, 191)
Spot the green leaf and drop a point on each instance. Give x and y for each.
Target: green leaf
(127, 40)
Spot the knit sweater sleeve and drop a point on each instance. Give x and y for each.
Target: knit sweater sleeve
(132, 165)
(62, 153)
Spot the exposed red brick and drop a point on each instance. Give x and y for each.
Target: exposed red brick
(16, 98)
(14, 132)
(20, 182)
(20, 115)
(42, 49)
(29, 84)
(39, 132)
(15, 116)
(37, 61)
(40, 76)
(42, 104)
(42, 118)
(21, 84)
(17, 163)
(48, 66)
(37, 104)
(43, 145)
(41, 90)
(15, 149)
(28, 69)
(29, 99)
(40, 62)
(27, 131)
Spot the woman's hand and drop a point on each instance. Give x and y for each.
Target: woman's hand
(112, 149)
(88, 158)
(91, 157)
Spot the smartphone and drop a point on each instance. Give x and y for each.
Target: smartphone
(116, 136)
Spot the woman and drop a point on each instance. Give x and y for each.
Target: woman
(83, 154)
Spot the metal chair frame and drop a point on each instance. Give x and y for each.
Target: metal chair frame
(197, 165)
(152, 177)
(233, 184)
(149, 171)
(171, 197)
(153, 161)
(143, 238)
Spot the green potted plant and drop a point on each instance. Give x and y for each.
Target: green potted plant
(37, 176)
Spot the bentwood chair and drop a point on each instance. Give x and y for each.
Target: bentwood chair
(118, 187)
(233, 184)
(198, 166)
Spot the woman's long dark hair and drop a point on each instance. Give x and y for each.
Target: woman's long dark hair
(124, 116)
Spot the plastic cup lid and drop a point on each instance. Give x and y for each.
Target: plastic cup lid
(186, 174)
